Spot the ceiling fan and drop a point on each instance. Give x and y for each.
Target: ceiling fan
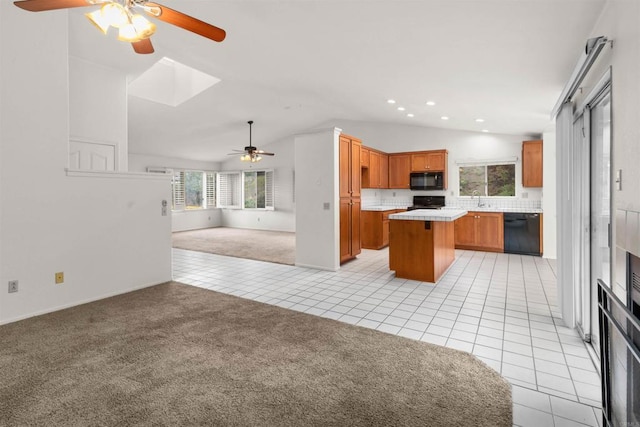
(122, 14)
(251, 153)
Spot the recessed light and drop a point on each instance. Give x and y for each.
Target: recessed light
(431, 103)
(479, 120)
(391, 101)
(400, 108)
(444, 118)
(410, 115)
(485, 130)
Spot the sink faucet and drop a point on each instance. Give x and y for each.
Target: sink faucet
(476, 193)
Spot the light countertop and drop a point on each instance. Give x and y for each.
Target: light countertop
(430, 215)
(382, 208)
(496, 209)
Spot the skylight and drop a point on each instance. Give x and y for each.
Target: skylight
(170, 82)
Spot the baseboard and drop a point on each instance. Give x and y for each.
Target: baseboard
(74, 304)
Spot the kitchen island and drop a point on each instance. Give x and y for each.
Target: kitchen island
(421, 243)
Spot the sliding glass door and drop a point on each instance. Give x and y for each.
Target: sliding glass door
(600, 211)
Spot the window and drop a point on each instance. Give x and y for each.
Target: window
(229, 190)
(258, 190)
(177, 191)
(193, 190)
(488, 180)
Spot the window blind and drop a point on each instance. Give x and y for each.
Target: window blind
(210, 183)
(229, 190)
(177, 190)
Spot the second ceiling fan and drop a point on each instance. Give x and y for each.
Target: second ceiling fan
(251, 153)
(122, 14)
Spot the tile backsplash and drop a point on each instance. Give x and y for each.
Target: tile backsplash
(510, 203)
(402, 198)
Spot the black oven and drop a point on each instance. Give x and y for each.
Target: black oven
(426, 181)
(427, 202)
(619, 324)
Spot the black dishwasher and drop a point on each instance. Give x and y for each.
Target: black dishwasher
(522, 233)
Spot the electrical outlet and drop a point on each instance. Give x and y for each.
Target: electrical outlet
(13, 286)
(59, 277)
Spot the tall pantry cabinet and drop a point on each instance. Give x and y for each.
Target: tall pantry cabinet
(350, 202)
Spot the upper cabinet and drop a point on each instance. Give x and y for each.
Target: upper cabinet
(376, 173)
(532, 163)
(429, 161)
(399, 170)
(349, 166)
(382, 170)
(365, 156)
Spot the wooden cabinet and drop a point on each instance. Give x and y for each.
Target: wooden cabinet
(402, 164)
(376, 174)
(481, 231)
(350, 231)
(384, 170)
(429, 161)
(399, 170)
(349, 185)
(375, 228)
(421, 250)
(532, 163)
(365, 156)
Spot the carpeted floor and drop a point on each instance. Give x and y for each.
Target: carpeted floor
(174, 354)
(271, 246)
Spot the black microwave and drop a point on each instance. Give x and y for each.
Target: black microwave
(426, 181)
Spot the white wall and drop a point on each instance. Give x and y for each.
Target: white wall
(283, 218)
(181, 220)
(105, 233)
(97, 95)
(317, 180)
(549, 226)
(140, 163)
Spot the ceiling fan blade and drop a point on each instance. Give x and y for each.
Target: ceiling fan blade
(184, 21)
(42, 5)
(264, 152)
(144, 46)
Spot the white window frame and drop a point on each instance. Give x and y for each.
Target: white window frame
(269, 189)
(229, 187)
(485, 164)
(179, 193)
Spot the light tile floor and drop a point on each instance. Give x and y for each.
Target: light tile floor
(500, 307)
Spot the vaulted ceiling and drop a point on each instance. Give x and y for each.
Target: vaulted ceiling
(291, 65)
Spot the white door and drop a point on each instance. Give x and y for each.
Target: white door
(92, 156)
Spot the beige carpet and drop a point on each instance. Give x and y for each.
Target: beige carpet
(271, 246)
(176, 355)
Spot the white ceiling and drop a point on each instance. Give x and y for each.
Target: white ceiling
(293, 65)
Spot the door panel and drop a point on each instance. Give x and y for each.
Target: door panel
(92, 156)
(465, 234)
(600, 206)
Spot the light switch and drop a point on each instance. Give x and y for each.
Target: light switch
(326, 206)
(619, 179)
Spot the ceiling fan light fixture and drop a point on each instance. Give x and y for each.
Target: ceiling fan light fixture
(115, 14)
(98, 19)
(138, 29)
